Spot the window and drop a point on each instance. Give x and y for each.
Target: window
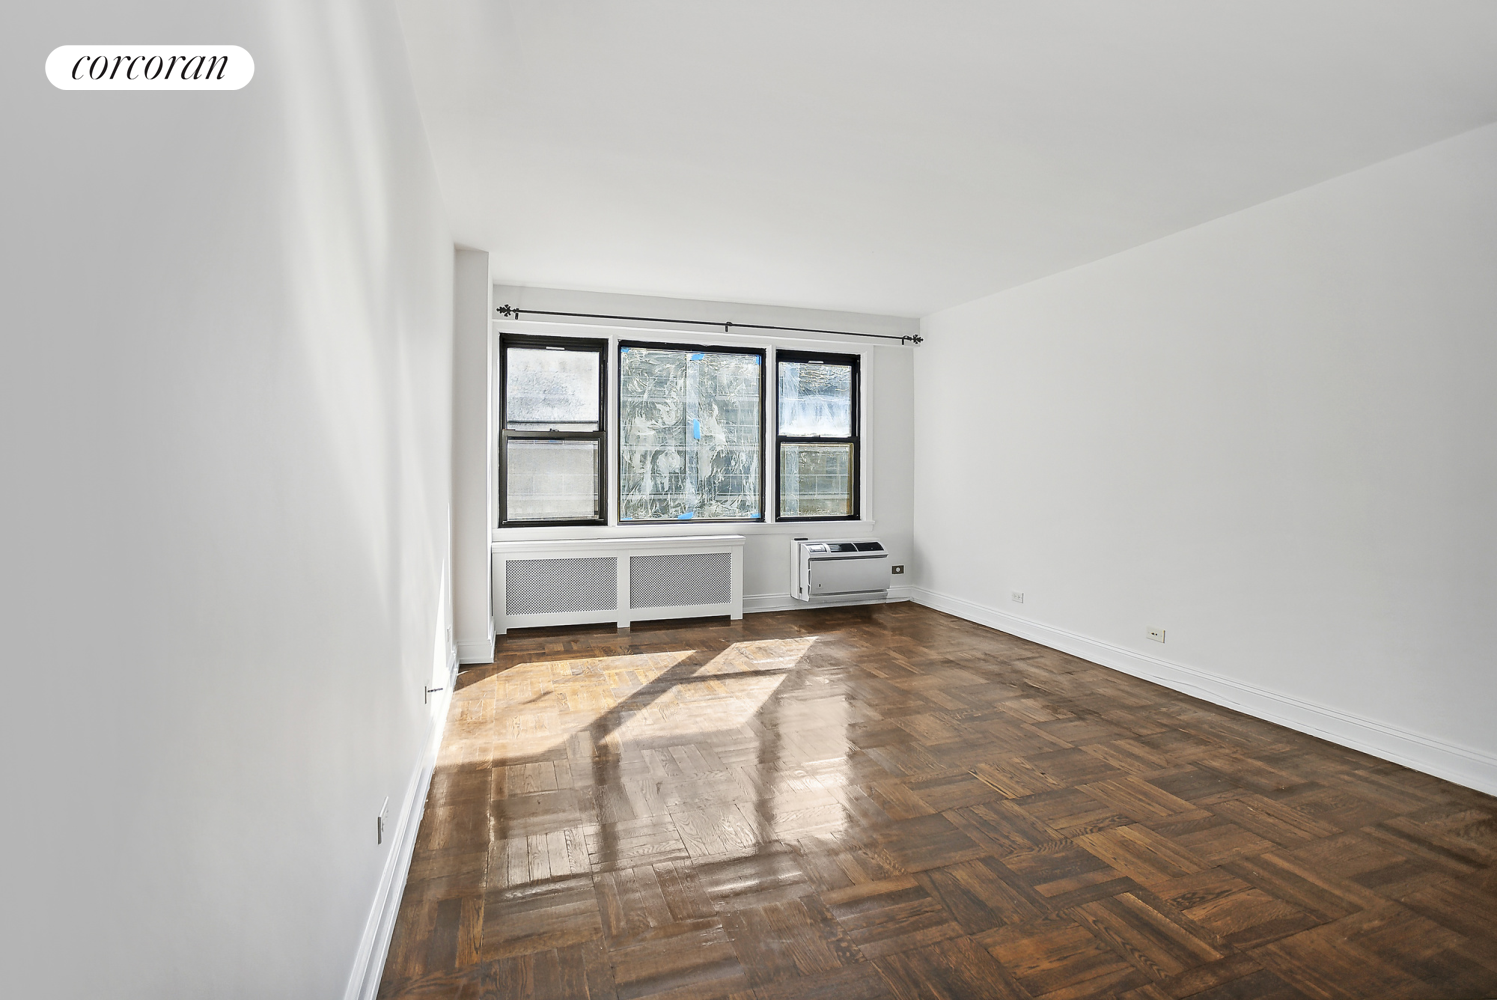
(552, 441)
(690, 426)
(818, 436)
(690, 433)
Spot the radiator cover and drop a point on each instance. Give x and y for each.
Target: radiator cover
(560, 586)
(616, 580)
(680, 579)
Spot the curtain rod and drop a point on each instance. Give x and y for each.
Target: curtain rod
(727, 325)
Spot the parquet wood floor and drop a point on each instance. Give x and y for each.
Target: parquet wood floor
(889, 802)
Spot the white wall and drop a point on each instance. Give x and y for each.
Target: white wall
(887, 385)
(473, 455)
(1271, 435)
(225, 408)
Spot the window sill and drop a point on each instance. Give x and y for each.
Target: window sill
(834, 529)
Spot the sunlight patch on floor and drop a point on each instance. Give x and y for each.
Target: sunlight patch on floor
(535, 706)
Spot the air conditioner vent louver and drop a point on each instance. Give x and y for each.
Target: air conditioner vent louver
(680, 580)
(559, 586)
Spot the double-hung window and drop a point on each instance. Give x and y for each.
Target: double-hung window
(691, 433)
(817, 443)
(552, 438)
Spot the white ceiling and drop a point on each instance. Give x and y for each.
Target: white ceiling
(901, 157)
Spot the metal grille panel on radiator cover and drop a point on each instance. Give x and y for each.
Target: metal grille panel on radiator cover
(558, 586)
(680, 580)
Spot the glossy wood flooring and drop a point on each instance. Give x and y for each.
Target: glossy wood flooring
(890, 802)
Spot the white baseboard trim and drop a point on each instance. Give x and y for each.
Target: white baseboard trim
(756, 603)
(1461, 764)
(475, 651)
(374, 944)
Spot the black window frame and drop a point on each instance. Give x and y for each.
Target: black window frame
(618, 416)
(855, 438)
(584, 344)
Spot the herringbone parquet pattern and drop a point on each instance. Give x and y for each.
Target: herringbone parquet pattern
(890, 802)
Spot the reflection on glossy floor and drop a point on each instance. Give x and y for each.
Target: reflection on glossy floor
(890, 802)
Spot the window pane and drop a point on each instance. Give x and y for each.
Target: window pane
(550, 390)
(689, 435)
(815, 480)
(815, 399)
(551, 480)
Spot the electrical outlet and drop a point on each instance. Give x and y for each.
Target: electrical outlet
(1017, 597)
(379, 822)
(896, 570)
(1157, 634)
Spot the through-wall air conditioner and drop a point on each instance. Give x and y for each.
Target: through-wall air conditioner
(838, 569)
